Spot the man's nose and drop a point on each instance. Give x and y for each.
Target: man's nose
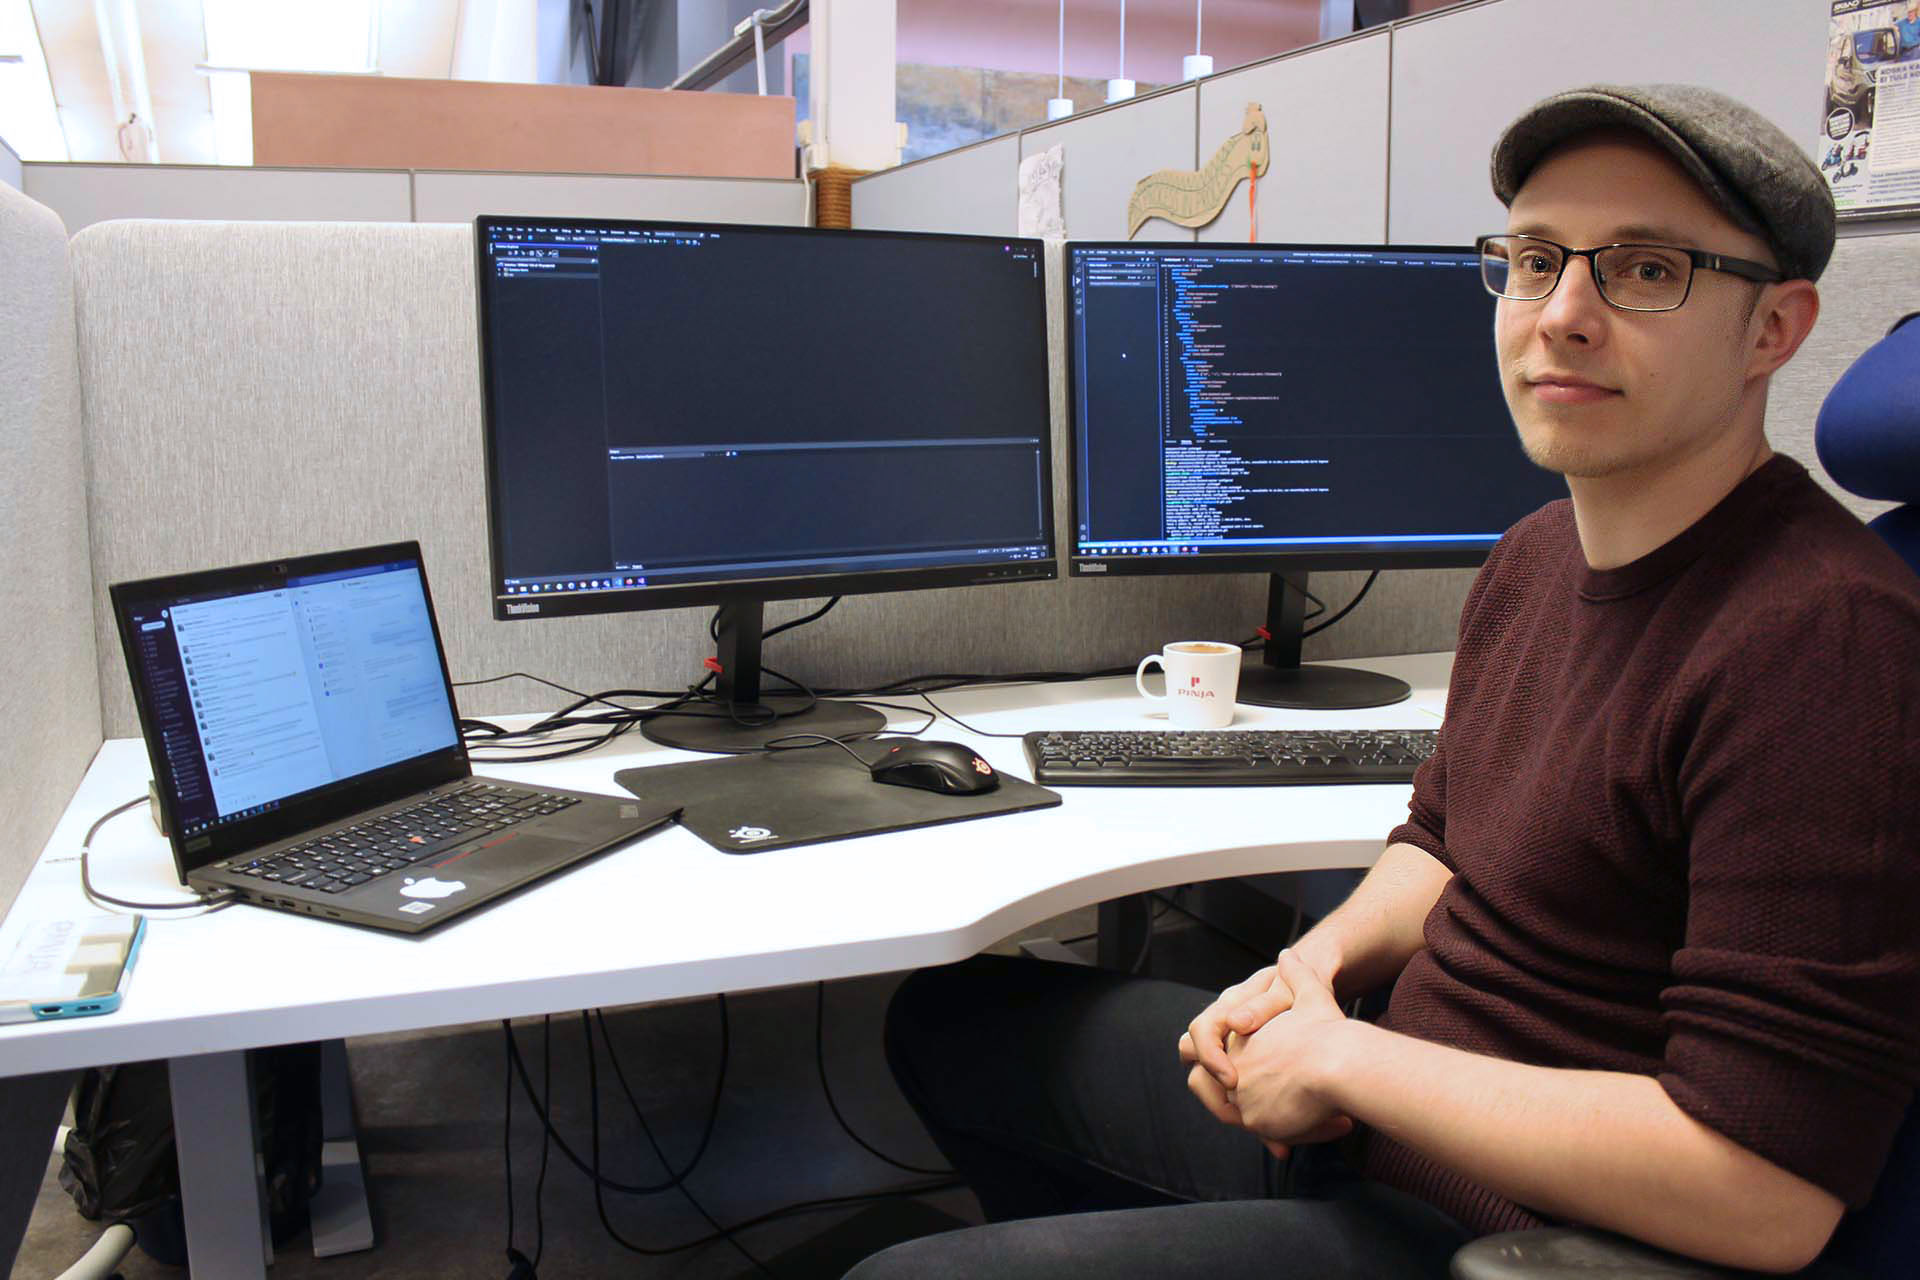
(1575, 311)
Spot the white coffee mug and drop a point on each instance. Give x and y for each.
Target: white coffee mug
(1202, 678)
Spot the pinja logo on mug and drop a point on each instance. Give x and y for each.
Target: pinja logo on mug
(1202, 678)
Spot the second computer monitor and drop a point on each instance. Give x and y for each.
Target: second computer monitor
(1284, 408)
(695, 414)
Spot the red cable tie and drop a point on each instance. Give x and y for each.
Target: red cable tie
(1263, 633)
(713, 665)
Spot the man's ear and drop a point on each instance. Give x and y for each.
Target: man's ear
(1782, 319)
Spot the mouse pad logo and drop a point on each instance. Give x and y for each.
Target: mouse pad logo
(431, 887)
(749, 835)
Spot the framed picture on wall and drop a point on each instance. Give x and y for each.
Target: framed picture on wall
(1868, 147)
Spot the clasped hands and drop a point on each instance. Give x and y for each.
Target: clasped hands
(1253, 1056)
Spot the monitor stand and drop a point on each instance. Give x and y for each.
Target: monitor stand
(1279, 679)
(739, 717)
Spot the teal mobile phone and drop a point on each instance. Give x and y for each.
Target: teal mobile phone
(70, 968)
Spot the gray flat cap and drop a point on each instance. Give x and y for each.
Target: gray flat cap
(1755, 173)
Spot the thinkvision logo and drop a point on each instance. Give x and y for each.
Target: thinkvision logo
(529, 607)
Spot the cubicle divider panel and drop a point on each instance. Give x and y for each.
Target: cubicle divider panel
(257, 390)
(83, 194)
(970, 191)
(1461, 74)
(50, 697)
(459, 197)
(1326, 112)
(11, 172)
(1105, 152)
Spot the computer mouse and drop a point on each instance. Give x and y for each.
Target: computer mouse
(946, 767)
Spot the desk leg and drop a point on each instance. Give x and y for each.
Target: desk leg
(220, 1174)
(35, 1104)
(1124, 923)
(342, 1222)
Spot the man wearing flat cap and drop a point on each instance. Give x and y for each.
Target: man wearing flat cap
(1649, 928)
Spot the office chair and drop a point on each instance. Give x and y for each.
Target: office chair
(1868, 439)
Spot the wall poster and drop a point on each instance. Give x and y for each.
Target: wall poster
(1869, 142)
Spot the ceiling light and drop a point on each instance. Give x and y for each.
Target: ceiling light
(1060, 106)
(1120, 88)
(1196, 64)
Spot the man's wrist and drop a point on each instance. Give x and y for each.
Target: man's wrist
(1336, 1056)
(1322, 954)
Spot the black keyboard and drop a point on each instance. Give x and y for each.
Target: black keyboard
(352, 855)
(1226, 757)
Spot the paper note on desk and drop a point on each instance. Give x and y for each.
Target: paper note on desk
(69, 967)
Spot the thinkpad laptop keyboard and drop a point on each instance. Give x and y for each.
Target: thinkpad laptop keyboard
(348, 856)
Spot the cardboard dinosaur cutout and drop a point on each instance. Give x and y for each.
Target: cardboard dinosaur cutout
(1194, 199)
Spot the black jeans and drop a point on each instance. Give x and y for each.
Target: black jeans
(1058, 1093)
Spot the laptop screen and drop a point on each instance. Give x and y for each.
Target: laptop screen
(260, 692)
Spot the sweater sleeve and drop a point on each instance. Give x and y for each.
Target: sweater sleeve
(1791, 1014)
(1426, 825)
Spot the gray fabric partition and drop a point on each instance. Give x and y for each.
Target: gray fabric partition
(50, 697)
(972, 190)
(84, 194)
(1459, 75)
(459, 197)
(264, 389)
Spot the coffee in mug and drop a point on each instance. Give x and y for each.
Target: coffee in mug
(1202, 678)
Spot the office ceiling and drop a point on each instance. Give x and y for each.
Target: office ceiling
(139, 80)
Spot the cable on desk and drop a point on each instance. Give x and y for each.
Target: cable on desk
(938, 710)
(790, 624)
(820, 1059)
(941, 682)
(207, 901)
(1352, 604)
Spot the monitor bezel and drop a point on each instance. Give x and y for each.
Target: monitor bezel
(1279, 560)
(810, 585)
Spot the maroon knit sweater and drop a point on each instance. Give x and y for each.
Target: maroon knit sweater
(1681, 802)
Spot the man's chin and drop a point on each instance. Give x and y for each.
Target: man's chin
(1573, 459)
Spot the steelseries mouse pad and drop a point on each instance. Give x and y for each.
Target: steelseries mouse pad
(747, 803)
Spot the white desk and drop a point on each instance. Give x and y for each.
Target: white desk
(666, 917)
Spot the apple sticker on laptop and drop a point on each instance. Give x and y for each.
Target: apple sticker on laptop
(431, 887)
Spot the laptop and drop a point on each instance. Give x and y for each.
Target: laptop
(307, 754)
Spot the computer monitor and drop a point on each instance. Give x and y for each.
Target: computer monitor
(1286, 408)
(689, 414)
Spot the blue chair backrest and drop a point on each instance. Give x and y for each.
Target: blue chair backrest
(1868, 433)
(1868, 439)
(1883, 1239)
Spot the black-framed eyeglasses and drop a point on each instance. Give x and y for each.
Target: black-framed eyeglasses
(1631, 277)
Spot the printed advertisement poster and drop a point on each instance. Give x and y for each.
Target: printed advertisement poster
(1869, 143)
